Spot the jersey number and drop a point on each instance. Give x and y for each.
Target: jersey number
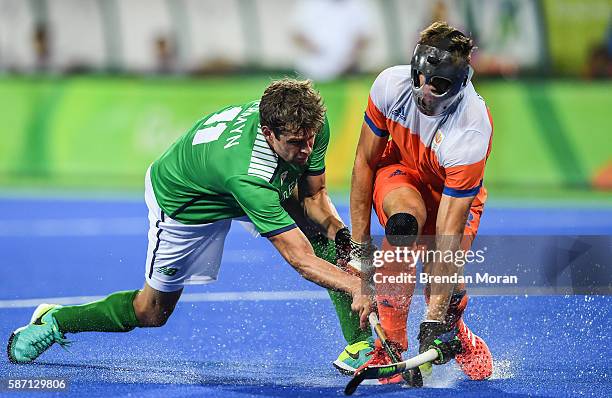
(212, 129)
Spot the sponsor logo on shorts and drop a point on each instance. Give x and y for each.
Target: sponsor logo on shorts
(169, 271)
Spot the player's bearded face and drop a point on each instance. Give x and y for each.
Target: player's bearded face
(293, 148)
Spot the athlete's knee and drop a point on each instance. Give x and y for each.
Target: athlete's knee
(402, 229)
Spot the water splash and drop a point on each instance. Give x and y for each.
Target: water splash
(502, 369)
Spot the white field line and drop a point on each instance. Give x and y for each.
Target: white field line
(186, 298)
(74, 227)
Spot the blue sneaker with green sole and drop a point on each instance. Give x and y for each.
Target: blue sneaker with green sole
(28, 342)
(353, 356)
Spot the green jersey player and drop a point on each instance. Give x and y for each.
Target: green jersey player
(247, 163)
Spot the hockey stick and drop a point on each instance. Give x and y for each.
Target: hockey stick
(385, 371)
(412, 376)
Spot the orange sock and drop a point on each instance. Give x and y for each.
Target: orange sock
(393, 315)
(393, 296)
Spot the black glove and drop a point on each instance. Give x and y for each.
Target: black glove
(440, 337)
(343, 247)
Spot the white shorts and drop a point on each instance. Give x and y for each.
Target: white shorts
(180, 254)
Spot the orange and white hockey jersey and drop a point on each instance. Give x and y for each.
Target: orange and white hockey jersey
(448, 152)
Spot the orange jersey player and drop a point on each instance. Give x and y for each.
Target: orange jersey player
(420, 163)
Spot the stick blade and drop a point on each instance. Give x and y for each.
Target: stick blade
(365, 373)
(352, 385)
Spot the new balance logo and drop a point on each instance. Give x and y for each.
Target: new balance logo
(167, 270)
(399, 113)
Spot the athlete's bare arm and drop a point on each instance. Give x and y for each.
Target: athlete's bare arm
(450, 224)
(369, 151)
(297, 251)
(318, 206)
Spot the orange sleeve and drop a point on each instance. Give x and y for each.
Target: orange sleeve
(465, 180)
(376, 119)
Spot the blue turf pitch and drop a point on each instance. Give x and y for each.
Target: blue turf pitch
(543, 346)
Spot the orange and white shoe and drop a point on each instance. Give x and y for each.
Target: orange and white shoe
(476, 360)
(379, 356)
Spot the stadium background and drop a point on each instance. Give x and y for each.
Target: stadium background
(92, 91)
(89, 96)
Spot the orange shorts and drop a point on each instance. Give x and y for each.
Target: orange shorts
(392, 176)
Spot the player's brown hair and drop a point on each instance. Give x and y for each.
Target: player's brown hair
(290, 105)
(442, 35)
